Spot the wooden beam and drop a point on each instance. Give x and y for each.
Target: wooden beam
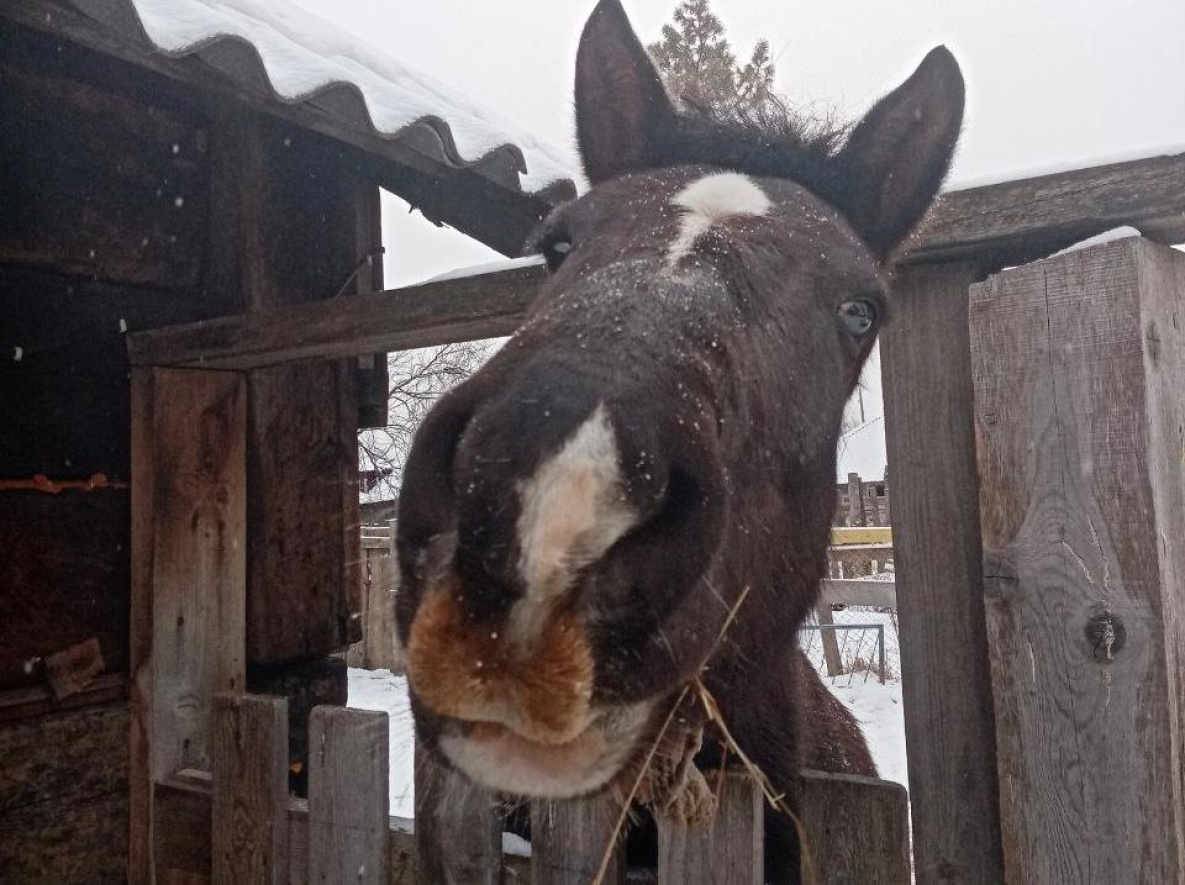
(250, 791)
(857, 829)
(1017, 221)
(1079, 368)
(1001, 223)
(569, 840)
(728, 851)
(188, 575)
(466, 308)
(939, 578)
(348, 796)
(827, 638)
(864, 594)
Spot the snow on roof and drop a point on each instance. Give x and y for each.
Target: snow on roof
(307, 59)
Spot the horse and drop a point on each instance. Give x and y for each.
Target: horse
(634, 495)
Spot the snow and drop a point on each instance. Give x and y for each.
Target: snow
(1115, 233)
(879, 710)
(474, 270)
(1068, 164)
(303, 54)
(382, 690)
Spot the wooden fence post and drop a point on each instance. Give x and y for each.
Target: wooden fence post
(1079, 367)
(188, 577)
(827, 637)
(250, 791)
(569, 840)
(951, 736)
(458, 827)
(348, 796)
(857, 829)
(728, 852)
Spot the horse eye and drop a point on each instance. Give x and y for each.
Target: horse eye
(859, 317)
(555, 251)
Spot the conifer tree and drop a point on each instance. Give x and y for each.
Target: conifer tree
(699, 67)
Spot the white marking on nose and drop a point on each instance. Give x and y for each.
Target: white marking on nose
(710, 199)
(572, 511)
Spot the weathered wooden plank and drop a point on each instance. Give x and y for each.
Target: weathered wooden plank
(569, 841)
(1017, 221)
(198, 567)
(141, 863)
(828, 638)
(458, 827)
(1079, 367)
(183, 843)
(863, 594)
(481, 306)
(250, 790)
(287, 231)
(939, 578)
(857, 829)
(729, 851)
(188, 575)
(382, 650)
(348, 796)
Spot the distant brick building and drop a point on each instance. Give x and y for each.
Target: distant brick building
(861, 503)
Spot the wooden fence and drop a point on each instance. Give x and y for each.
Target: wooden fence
(237, 823)
(378, 648)
(1055, 605)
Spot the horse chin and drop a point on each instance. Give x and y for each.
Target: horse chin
(500, 758)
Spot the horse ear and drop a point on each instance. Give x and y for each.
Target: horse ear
(622, 108)
(898, 155)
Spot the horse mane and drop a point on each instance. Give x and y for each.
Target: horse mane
(770, 139)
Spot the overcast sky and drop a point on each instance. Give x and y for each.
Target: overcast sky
(1051, 83)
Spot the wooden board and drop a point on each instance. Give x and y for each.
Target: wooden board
(63, 797)
(250, 791)
(939, 578)
(458, 827)
(827, 638)
(1017, 221)
(183, 843)
(569, 840)
(729, 851)
(857, 829)
(288, 209)
(467, 308)
(1079, 366)
(348, 796)
(863, 594)
(188, 575)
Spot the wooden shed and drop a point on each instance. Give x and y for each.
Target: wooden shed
(156, 172)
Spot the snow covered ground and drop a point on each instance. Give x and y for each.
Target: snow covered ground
(877, 707)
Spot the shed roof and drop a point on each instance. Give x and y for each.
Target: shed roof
(298, 66)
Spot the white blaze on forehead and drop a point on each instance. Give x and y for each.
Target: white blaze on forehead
(572, 510)
(713, 198)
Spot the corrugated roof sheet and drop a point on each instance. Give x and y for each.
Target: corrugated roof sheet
(304, 61)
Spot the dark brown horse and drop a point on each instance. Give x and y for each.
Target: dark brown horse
(580, 517)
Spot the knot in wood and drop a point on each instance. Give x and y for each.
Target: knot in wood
(1106, 635)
